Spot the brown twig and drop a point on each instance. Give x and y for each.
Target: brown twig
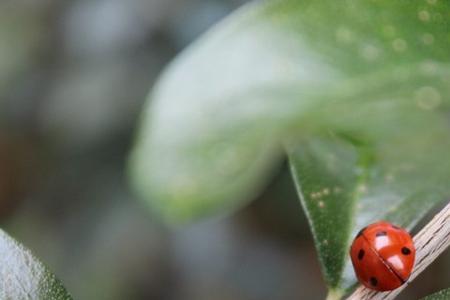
(430, 242)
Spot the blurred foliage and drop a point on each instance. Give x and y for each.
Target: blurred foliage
(357, 92)
(220, 110)
(73, 77)
(22, 32)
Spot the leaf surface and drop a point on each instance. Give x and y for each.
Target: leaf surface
(22, 276)
(441, 295)
(278, 72)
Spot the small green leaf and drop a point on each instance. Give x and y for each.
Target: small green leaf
(345, 184)
(22, 276)
(441, 295)
(325, 172)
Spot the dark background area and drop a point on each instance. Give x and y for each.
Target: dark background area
(73, 78)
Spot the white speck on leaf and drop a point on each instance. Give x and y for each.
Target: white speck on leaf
(344, 35)
(316, 195)
(399, 45)
(428, 67)
(389, 177)
(424, 15)
(337, 190)
(362, 188)
(428, 98)
(370, 52)
(427, 38)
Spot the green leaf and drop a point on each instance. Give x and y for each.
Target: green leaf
(441, 295)
(22, 276)
(328, 182)
(358, 92)
(274, 71)
(345, 185)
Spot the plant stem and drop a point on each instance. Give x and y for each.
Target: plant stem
(430, 242)
(334, 295)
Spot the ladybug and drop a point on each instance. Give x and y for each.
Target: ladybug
(383, 256)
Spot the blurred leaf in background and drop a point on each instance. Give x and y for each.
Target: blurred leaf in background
(22, 32)
(214, 122)
(357, 91)
(365, 82)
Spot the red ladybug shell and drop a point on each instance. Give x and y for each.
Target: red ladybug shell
(383, 256)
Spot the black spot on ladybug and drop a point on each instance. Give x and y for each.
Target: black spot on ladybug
(373, 281)
(381, 233)
(396, 227)
(361, 232)
(406, 251)
(361, 254)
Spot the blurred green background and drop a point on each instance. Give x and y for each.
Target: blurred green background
(73, 79)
